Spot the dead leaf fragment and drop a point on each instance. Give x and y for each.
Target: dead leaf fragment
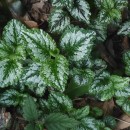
(31, 24)
(124, 122)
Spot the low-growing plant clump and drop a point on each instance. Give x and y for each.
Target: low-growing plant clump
(44, 74)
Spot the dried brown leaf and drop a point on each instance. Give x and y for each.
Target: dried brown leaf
(124, 122)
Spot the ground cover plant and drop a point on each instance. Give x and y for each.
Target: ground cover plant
(50, 78)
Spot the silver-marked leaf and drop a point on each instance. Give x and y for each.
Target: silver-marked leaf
(126, 60)
(10, 66)
(102, 87)
(55, 72)
(124, 103)
(119, 82)
(81, 11)
(32, 78)
(62, 3)
(123, 93)
(76, 44)
(12, 98)
(58, 21)
(12, 33)
(125, 29)
(58, 121)
(58, 102)
(39, 43)
(57, 3)
(120, 4)
(12, 52)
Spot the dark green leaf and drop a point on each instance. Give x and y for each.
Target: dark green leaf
(74, 47)
(55, 72)
(30, 111)
(57, 121)
(81, 11)
(39, 43)
(58, 21)
(80, 82)
(96, 112)
(32, 127)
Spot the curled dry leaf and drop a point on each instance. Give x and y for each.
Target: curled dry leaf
(123, 122)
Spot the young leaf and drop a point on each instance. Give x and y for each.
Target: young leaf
(57, 121)
(58, 21)
(81, 11)
(125, 29)
(32, 127)
(79, 114)
(96, 112)
(76, 48)
(55, 72)
(12, 98)
(30, 111)
(33, 80)
(39, 43)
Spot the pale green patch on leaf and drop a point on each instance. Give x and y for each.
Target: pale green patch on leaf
(33, 80)
(81, 11)
(55, 72)
(58, 21)
(12, 98)
(79, 114)
(76, 43)
(125, 29)
(58, 121)
(119, 82)
(124, 103)
(39, 44)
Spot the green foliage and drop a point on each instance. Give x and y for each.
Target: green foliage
(77, 48)
(58, 121)
(110, 121)
(59, 73)
(30, 110)
(55, 72)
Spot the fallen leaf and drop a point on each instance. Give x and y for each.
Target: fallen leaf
(31, 24)
(123, 122)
